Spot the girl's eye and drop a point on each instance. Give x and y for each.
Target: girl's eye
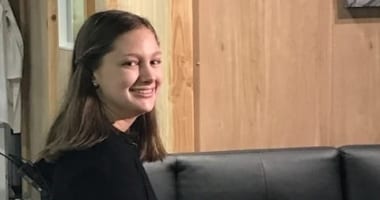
(130, 63)
(155, 62)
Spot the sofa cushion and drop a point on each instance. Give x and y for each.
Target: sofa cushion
(361, 171)
(302, 174)
(281, 174)
(220, 176)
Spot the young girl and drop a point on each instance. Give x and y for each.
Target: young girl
(107, 124)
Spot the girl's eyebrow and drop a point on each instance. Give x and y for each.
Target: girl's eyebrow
(157, 53)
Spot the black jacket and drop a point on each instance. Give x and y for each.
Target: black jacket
(109, 170)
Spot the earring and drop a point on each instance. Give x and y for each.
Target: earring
(95, 84)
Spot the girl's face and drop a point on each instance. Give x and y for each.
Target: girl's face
(130, 75)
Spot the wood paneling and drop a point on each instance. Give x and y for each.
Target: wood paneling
(279, 74)
(196, 75)
(297, 57)
(89, 7)
(181, 76)
(356, 77)
(52, 57)
(230, 52)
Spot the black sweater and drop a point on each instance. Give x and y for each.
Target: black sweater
(109, 170)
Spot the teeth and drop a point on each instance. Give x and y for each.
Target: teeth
(143, 91)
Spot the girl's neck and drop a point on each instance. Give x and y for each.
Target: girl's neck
(123, 124)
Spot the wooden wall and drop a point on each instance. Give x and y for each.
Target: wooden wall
(278, 73)
(355, 77)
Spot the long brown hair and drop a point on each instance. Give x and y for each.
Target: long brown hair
(81, 122)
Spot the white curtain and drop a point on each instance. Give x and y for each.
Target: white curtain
(11, 56)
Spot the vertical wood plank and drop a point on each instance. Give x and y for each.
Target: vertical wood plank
(112, 4)
(89, 7)
(196, 75)
(181, 79)
(230, 45)
(297, 68)
(52, 57)
(356, 78)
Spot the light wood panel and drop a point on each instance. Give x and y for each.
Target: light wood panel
(279, 74)
(89, 7)
(296, 70)
(52, 57)
(356, 77)
(196, 75)
(230, 45)
(181, 76)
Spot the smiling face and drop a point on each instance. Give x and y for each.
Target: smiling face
(130, 75)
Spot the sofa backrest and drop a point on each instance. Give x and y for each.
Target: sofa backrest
(278, 174)
(163, 178)
(361, 172)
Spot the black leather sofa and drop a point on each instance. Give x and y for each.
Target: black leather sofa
(313, 173)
